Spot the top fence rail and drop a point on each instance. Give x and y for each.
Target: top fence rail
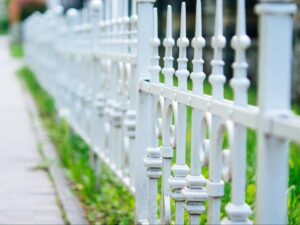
(101, 65)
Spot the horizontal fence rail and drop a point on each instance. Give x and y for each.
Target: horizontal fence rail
(102, 66)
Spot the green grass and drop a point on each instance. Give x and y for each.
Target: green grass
(113, 204)
(16, 50)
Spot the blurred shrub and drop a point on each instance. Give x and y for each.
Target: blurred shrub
(4, 25)
(31, 7)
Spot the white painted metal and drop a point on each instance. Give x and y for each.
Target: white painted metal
(101, 65)
(168, 111)
(215, 185)
(180, 169)
(274, 95)
(153, 160)
(237, 210)
(143, 126)
(195, 193)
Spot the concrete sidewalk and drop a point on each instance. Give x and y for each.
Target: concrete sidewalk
(27, 196)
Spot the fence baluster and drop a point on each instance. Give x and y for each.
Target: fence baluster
(95, 122)
(238, 211)
(166, 149)
(100, 100)
(180, 169)
(215, 185)
(195, 193)
(73, 14)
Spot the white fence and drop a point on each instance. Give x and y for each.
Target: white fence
(102, 67)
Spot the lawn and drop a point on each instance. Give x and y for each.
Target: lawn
(112, 203)
(16, 50)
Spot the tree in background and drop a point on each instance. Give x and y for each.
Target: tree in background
(4, 24)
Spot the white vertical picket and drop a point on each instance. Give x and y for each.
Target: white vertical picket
(166, 148)
(180, 169)
(215, 185)
(72, 16)
(95, 122)
(238, 211)
(195, 193)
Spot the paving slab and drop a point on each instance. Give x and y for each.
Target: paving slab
(27, 195)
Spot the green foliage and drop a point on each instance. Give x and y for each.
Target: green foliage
(112, 203)
(30, 8)
(16, 50)
(4, 23)
(4, 26)
(44, 165)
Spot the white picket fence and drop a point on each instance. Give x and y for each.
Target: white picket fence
(101, 65)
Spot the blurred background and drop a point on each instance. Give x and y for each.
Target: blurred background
(13, 12)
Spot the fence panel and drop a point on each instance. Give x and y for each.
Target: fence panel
(101, 65)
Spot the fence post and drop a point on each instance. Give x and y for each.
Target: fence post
(275, 55)
(143, 129)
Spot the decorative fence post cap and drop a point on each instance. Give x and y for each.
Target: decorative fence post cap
(140, 1)
(95, 4)
(276, 8)
(72, 13)
(58, 9)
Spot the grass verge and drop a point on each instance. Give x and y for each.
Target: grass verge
(112, 203)
(16, 50)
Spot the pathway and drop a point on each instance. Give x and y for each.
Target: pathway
(27, 196)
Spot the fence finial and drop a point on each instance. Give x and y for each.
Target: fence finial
(182, 73)
(155, 21)
(155, 42)
(217, 78)
(183, 21)
(240, 42)
(241, 18)
(198, 44)
(95, 5)
(198, 31)
(169, 22)
(59, 9)
(169, 42)
(133, 12)
(219, 18)
(71, 13)
(71, 16)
